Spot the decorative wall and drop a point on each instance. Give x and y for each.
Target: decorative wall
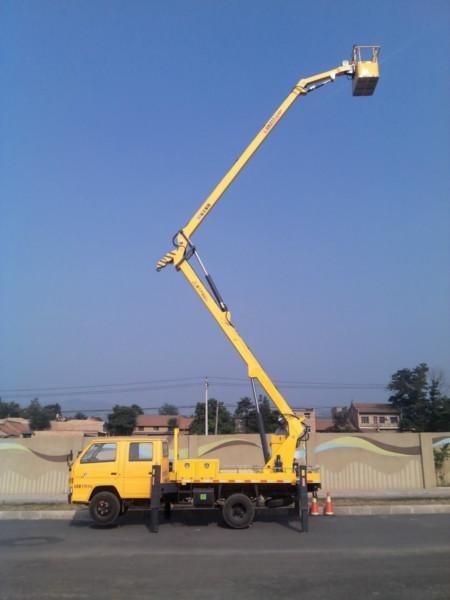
(348, 462)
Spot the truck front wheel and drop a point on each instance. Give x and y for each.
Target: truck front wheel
(104, 508)
(238, 511)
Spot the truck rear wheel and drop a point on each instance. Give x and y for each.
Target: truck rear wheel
(104, 508)
(238, 511)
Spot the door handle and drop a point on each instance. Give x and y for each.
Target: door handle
(113, 473)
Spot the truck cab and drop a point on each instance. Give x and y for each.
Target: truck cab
(113, 472)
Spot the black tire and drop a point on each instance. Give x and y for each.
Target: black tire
(104, 508)
(238, 511)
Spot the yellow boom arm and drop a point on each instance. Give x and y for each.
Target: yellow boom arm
(366, 75)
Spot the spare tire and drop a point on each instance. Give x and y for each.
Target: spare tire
(238, 511)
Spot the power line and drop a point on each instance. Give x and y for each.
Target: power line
(79, 393)
(99, 385)
(175, 383)
(287, 382)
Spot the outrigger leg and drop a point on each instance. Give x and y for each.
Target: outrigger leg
(155, 498)
(301, 498)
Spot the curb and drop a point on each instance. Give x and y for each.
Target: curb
(35, 515)
(354, 511)
(395, 509)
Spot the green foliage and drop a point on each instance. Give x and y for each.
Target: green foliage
(168, 409)
(53, 411)
(341, 420)
(439, 408)
(246, 413)
(271, 418)
(421, 403)
(79, 415)
(122, 420)
(225, 420)
(9, 409)
(172, 422)
(39, 418)
(440, 456)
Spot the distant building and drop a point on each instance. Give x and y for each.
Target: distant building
(88, 427)
(161, 424)
(14, 427)
(309, 416)
(374, 417)
(324, 424)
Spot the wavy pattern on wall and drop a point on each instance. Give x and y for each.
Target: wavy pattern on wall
(205, 448)
(58, 458)
(360, 475)
(363, 443)
(440, 441)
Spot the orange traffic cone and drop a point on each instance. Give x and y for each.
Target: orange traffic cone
(328, 508)
(314, 509)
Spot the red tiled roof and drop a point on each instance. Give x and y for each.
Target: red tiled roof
(14, 426)
(379, 408)
(163, 421)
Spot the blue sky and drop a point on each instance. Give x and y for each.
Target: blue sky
(331, 249)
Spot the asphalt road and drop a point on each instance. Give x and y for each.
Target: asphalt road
(192, 557)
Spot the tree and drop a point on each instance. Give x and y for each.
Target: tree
(246, 412)
(172, 423)
(168, 409)
(122, 420)
(9, 409)
(341, 420)
(410, 389)
(422, 405)
(271, 418)
(53, 411)
(39, 419)
(440, 456)
(79, 415)
(439, 407)
(225, 420)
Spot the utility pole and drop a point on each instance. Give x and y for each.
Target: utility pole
(206, 406)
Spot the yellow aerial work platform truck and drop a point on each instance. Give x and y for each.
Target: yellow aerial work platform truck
(114, 473)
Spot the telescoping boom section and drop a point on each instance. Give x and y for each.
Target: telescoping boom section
(364, 71)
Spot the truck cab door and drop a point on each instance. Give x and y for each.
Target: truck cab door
(98, 466)
(137, 471)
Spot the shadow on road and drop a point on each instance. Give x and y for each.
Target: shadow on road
(188, 517)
